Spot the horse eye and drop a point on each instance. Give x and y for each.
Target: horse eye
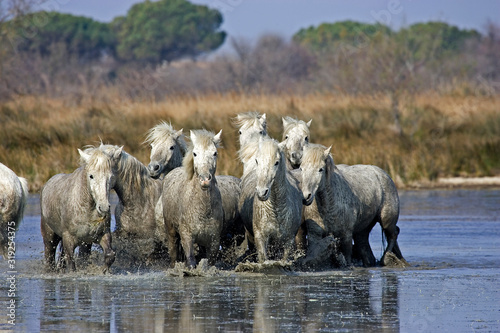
(261, 133)
(91, 176)
(286, 137)
(239, 132)
(194, 154)
(172, 148)
(307, 139)
(277, 162)
(256, 162)
(321, 170)
(215, 154)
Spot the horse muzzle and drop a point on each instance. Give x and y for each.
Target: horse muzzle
(205, 181)
(295, 160)
(307, 199)
(263, 193)
(104, 210)
(154, 170)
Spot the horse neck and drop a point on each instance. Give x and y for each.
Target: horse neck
(133, 182)
(174, 162)
(203, 199)
(280, 186)
(328, 187)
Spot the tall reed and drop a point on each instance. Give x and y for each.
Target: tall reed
(442, 135)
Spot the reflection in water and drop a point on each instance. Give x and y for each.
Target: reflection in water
(454, 283)
(352, 300)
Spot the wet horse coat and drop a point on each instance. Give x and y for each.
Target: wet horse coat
(75, 207)
(192, 203)
(13, 196)
(270, 203)
(347, 202)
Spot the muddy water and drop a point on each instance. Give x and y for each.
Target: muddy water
(451, 238)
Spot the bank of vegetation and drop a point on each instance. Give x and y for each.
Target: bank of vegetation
(422, 102)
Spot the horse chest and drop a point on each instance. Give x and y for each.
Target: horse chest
(269, 220)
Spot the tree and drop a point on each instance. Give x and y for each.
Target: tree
(152, 32)
(80, 36)
(422, 37)
(328, 36)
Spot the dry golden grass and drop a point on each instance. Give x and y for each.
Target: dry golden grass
(442, 135)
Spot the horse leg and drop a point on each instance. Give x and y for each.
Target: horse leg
(69, 246)
(346, 249)
(109, 253)
(212, 251)
(362, 246)
(300, 238)
(84, 252)
(172, 249)
(261, 245)
(288, 248)
(50, 241)
(188, 247)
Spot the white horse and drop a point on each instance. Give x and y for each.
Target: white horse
(75, 207)
(347, 202)
(168, 148)
(192, 202)
(137, 231)
(296, 135)
(251, 127)
(13, 196)
(270, 203)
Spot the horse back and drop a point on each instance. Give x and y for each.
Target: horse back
(57, 199)
(374, 188)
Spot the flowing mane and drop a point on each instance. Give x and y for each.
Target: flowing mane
(130, 170)
(99, 159)
(315, 155)
(249, 119)
(133, 172)
(163, 130)
(289, 123)
(248, 151)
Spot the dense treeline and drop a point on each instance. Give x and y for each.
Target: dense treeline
(421, 102)
(64, 55)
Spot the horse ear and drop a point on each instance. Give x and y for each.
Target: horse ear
(262, 120)
(327, 151)
(285, 121)
(309, 123)
(282, 146)
(118, 153)
(192, 135)
(217, 138)
(85, 156)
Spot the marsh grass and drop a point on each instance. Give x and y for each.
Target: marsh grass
(442, 136)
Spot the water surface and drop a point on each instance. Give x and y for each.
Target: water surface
(450, 237)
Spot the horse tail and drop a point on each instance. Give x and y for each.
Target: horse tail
(384, 239)
(24, 197)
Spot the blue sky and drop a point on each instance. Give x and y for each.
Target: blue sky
(250, 19)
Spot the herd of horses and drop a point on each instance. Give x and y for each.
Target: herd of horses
(290, 200)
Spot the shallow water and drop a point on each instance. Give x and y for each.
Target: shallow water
(451, 239)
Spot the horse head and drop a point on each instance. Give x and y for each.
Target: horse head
(251, 125)
(269, 161)
(295, 135)
(167, 149)
(100, 168)
(315, 162)
(202, 159)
